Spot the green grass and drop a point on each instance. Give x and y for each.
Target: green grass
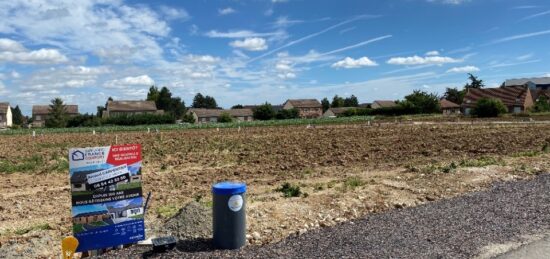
(167, 211)
(77, 228)
(128, 186)
(481, 162)
(289, 190)
(25, 164)
(353, 182)
(164, 127)
(98, 223)
(140, 216)
(23, 231)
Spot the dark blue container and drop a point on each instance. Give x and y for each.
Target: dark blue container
(229, 215)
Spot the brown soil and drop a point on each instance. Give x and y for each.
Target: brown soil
(344, 171)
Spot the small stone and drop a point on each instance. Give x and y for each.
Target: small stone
(302, 231)
(256, 235)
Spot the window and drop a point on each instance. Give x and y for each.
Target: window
(77, 185)
(134, 211)
(517, 109)
(214, 119)
(38, 117)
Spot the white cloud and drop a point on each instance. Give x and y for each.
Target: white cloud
(143, 80)
(416, 60)
(251, 44)
(175, 13)
(464, 69)
(534, 16)
(226, 11)
(15, 74)
(11, 45)
(41, 56)
(289, 75)
(525, 57)
(520, 36)
(202, 59)
(451, 2)
(432, 53)
(279, 1)
(354, 63)
(236, 34)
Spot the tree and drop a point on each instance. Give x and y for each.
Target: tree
(454, 95)
(57, 117)
(198, 101)
(264, 112)
(17, 116)
(153, 94)
(99, 112)
(423, 102)
(541, 105)
(285, 114)
(238, 106)
(225, 117)
(210, 102)
(326, 104)
(489, 107)
(351, 101)
(474, 82)
(337, 102)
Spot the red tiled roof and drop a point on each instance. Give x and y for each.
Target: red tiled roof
(4, 108)
(45, 109)
(305, 103)
(385, 103)
(446, 104)
(131, 106)
(509, 95)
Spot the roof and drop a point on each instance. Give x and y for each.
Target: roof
(45, 109)
(446, 104)
(4, 107)
(365, 105)
(536, 93)
(93, 213)
(81, 177)
(131, 106)
(130, 206)
(304, 103)
(218, 112)
(509, 95)
(523, 81)
(385, 103)
(340, 110)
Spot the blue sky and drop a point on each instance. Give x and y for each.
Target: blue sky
(253, 51)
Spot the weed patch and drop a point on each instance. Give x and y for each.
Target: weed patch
(289, 190)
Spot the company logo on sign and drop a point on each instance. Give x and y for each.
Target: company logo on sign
(77, 156)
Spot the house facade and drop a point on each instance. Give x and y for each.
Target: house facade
(213, 115)
(448, 107)
(307, 108)
(89, 217)
(5, 115)
(336, 112)
(41, 112)
(517, 99)
(127, 108)
(383, 104)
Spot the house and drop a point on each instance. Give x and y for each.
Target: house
(448, 107)
(89, 217)
(516, 98)
(383, 104)
(307, 108)
(336, 112)
(118, 108)
(365, 105)
(125, 212)
(533, 83)
(41, 112)
(5, 115)
(213, 115)
(276, 108)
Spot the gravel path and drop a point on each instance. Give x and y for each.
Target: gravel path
(455, 228)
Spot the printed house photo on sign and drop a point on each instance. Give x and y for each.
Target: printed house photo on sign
(91, 217)
(88, 182)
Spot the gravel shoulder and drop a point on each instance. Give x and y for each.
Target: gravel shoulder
(462, 227)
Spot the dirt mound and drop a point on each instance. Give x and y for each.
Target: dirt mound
(193, 221)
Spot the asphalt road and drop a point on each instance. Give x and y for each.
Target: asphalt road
(461, 227)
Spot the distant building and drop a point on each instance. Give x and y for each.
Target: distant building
(307, 108)
(40, 113)
(276, 108)
(336, 112)
(516, 98)
(90, 217)
(533, 83)
(365, 105)
(383, 104)
(213, 115)
(118, 108)
(448, 107)
(5, 115)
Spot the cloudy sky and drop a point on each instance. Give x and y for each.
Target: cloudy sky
(251, 51)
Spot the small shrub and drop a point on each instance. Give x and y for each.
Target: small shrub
(449, 168)
(481, 162)
(488, 107)
(289, 190)
(225, 117)
(353, 182)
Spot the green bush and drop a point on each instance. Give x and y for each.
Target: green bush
(139, 119)
(84, 120)
(225, 117)
(489, 107)
(287, 114)
(264, 112)
(289, 190)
